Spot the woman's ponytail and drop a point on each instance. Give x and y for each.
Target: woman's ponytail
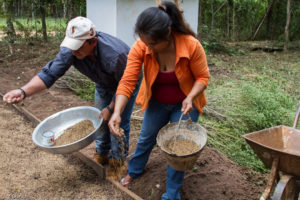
(154, 22)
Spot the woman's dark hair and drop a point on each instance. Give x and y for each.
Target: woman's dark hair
(155, 21)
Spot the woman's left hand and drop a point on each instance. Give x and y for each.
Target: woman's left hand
(187, 105)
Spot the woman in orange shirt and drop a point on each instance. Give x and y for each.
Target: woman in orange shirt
(175, 77)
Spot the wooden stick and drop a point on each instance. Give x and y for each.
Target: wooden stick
(124, 189)
(99, 169)
(271, 181)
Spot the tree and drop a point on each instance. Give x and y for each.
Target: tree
(288, 18)
(11, 33)
(43, 16)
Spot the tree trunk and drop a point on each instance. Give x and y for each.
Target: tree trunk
(65, 8)
(233, 23)
(200, 18)
(71, 9)
(288, 18)
(212, 17)
(262, 21)
(32, 10)
(228, 20)
(79, 8)
(269, 21)
(11, 33)
(44, 26)
(276, 7)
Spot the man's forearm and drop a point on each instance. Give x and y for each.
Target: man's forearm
(35, 85)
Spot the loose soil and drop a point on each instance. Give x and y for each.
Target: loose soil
(182, 147)
(75, 132)
(26, 172)
(29, 172)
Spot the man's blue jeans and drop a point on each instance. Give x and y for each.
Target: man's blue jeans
(107, 142)
(156, 116)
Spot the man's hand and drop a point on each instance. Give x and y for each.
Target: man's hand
(13, 96)
(114, 124)
(106, 114)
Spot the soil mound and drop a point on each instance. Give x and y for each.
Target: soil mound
(213, 177)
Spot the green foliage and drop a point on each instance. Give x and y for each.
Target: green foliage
(248, 107)
(151, 193)
(239, 19)
(86, 91)
(213, 46)
(26, 30)
(259, 93)
(29, 30)
(267, 105)
(79, 83)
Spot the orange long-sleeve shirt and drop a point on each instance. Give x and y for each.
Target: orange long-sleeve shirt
(190, 66)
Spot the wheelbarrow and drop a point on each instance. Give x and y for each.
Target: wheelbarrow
(279, 149)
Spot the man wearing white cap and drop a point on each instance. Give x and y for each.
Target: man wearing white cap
(102, 58)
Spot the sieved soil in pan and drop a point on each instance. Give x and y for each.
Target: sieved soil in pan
(75, 132)
(182, 147)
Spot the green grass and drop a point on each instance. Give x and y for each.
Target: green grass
(52, 23)
(29, 29)
(260, 91)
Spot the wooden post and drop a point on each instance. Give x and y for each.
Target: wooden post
(272, 178)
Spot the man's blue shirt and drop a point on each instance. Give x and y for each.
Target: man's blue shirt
(105, 70)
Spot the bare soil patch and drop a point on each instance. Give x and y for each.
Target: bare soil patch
(26, 170)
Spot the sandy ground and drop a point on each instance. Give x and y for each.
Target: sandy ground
(26, 172)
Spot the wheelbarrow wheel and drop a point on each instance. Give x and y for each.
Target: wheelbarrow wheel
(285, 189)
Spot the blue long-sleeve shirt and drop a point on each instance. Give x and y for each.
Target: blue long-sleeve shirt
(105, 70)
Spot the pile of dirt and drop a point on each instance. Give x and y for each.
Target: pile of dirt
(213, 177)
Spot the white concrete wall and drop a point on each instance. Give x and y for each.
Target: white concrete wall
(103, 14)
(118, 17)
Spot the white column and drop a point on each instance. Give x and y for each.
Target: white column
(103, 14)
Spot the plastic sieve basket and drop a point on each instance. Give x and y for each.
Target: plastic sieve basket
(188, 131)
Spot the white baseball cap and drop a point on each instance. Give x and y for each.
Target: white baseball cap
(78, 31)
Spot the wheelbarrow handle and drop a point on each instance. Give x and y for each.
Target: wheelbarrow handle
(297, 117)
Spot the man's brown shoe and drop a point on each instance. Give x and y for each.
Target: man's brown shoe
(102, 159)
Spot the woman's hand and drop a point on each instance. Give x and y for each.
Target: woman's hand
(187, 105)
(13, 96)
(114, 124)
